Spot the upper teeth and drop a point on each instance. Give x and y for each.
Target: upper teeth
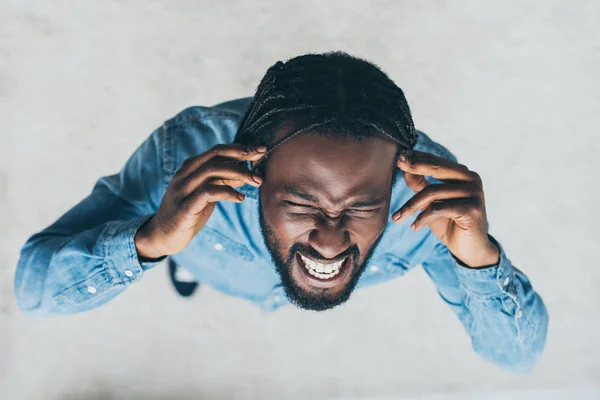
(322, 271)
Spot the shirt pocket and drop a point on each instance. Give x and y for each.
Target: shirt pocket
(90, 288)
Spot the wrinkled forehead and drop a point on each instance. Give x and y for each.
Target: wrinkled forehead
(329, 163)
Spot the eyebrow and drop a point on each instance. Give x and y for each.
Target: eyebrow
(294, 191)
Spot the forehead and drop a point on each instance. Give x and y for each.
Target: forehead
(338, 167)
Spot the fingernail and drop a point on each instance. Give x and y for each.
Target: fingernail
(241, 196)
(261, 149)
(397, 216)
(413, 226)
(402, 157)
(256, 177)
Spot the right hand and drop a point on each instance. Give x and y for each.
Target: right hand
(191, 196)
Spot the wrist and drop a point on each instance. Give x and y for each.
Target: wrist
(487, 257)
(144, 245)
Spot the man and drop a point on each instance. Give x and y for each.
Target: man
(312, 188)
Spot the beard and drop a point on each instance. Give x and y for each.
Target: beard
(317, 299)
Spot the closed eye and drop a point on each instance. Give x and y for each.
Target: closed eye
(299, 205)
(352, 210)
(363, 211)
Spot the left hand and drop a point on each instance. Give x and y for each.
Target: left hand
(454, 210)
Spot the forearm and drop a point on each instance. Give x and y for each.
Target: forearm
(59, 274)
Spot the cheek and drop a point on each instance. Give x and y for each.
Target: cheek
(291, 226)
(288, 227)
(366, 230)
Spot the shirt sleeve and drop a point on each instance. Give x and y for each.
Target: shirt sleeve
(88, 256)
(505, 318)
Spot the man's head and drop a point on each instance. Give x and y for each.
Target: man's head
(334, 126)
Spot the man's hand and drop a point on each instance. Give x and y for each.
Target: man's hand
(190, 199)
(454, 210)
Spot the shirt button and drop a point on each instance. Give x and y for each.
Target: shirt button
(374, 268)
(506, 280)
(91, 290)
(519, 314)
(128, 273)
(218, 247)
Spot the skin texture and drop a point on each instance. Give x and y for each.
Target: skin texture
(327, 223)
(325, 226)
(190, 199)
(326, 198)
(453, 210)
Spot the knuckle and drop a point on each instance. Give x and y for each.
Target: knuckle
(474, 188)
(475, 177)
(217, 149)
(436, 207)
(210, 191)
(181, 170)
(436, 165)
(477, 206)
(198, 197)
(432, 191)
(209, 169)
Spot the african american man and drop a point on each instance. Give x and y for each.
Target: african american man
(317, 185)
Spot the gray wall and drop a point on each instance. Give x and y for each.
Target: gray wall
(511, 87)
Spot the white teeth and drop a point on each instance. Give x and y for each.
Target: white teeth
(322, 271)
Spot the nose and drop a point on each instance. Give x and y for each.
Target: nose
(329, 238)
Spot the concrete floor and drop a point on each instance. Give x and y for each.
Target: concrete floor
(511, 87)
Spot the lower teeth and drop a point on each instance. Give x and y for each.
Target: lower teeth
(322, 276)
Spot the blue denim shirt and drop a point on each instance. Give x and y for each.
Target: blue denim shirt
(88, 256)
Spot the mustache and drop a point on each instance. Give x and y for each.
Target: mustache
(315, 255)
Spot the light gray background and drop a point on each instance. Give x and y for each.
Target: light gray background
(511, 87)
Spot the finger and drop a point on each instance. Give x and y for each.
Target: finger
(415, 182)
(229, 182)
(462, 211)
(234, 151)
(435, 192)
(210, 172)
(198, 200)
(425, 164)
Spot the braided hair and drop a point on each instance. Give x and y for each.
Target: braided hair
(332, 94)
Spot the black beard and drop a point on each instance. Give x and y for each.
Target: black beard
(319, 299)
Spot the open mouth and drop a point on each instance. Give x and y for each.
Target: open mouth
(321, 274)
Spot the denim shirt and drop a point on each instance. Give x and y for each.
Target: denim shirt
(88, 256)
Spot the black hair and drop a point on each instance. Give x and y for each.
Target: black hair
(331, 93)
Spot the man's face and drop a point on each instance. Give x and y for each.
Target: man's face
(324, 205)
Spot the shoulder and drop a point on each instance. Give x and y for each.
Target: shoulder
(199, 128)
(427, 145)
(232, 109)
